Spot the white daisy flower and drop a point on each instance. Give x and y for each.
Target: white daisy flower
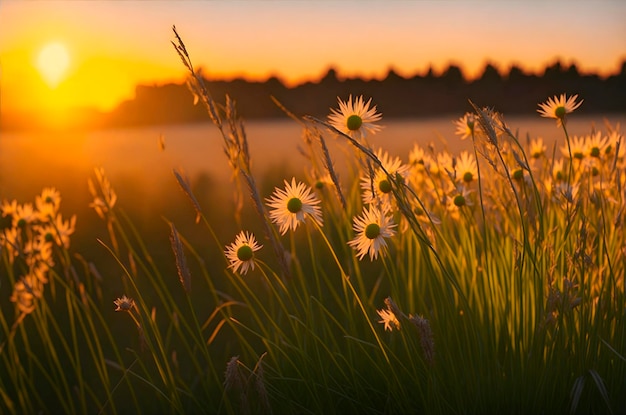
(241, 252)
(293, 205)
(558, 107)
(355, 119)
(372, 227)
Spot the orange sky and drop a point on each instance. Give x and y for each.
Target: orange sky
(114, 45)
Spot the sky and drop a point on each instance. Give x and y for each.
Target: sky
(56, 55)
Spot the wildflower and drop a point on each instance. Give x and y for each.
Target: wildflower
(596, 145)
(379, 187)
(440, 164)
(558, 107)
(124, 304)
(388, 319)
(466, 169)
(241, 252)
(372, 227)
(355, 118)
(577, 147)
(23, 215)
(616, 145)
(465, 126)
(292, 205)
(9, 208)
(537, 147)
(25, 291)
(58, 231)
(48, 203)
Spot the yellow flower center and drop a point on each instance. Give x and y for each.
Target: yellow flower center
(244, 253)
(372, 231)
(354, 122)
(294, 205)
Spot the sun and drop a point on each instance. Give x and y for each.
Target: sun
(53, 61)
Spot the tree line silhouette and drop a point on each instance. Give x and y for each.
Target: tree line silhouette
(515, 92)
(427, 95)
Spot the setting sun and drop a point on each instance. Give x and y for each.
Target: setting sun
(53, 61)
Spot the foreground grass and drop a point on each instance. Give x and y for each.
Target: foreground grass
(482, 282)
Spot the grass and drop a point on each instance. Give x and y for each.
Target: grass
(500, 284)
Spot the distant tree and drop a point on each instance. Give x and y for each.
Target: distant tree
(516, 74)
(572, 72)
(490, 74)
(553, 71)
(430, 74)
(453, 75)
(392, 76)
(330, 77)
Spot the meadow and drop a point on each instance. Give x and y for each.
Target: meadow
(485, 281)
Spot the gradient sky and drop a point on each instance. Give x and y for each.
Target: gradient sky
(114, 45)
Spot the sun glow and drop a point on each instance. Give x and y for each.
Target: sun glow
(53, 62)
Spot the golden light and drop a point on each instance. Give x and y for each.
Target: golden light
(53, 62)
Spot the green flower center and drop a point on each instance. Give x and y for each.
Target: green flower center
(372, 231)
(595, 152)
(595, 171)
(21, 223)
(244, 253)
(49, 237)
(578, 155)
(354, 122)
(319, 184)
(459, 200)
(468, 177)
(294, 205)
(49, 200)
(559, 176)
(559, 112)
(518, 174)
(384, 186)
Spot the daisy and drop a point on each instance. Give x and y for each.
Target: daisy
(48, 202)
(577, 146)
(379, 187)
(124, 304)
(372, 227)
(557, 107)
(355, 118)
(241, 252)
(23, 215)
(537, 148)
(388, 319)
(597, 145)
(59, 231)
(466, 169)
(292, 205)
(465, 126)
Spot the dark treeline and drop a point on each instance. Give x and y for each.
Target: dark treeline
(515, 92)
(448, 93)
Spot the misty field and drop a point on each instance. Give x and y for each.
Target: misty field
(488, 281)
